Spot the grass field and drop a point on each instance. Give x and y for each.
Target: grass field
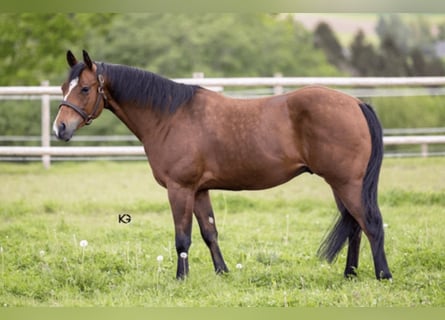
(269, 240)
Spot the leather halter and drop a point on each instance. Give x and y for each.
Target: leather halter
(88, 118)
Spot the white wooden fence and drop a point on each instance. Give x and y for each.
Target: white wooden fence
(45, 92)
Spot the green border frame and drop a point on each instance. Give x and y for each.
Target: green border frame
(223, 313)
(222, 6)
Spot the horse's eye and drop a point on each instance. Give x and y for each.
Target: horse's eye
(85, 89)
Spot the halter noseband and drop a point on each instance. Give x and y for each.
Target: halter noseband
(88, 118)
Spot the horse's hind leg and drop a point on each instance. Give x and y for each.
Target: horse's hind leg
(369, 218)
(354, 239)
(206, 220)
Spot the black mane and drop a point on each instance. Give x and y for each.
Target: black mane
(143, 88)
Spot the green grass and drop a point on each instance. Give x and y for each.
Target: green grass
(274, 234)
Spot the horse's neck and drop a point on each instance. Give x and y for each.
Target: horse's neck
(144, 123)
(125, 115)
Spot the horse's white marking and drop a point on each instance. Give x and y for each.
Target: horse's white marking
(55, 129)
(73, 84)
(211, 221)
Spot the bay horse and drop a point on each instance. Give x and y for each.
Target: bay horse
(197, 140)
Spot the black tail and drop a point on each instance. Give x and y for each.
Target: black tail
(346, 226)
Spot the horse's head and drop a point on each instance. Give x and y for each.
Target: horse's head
(83, 97)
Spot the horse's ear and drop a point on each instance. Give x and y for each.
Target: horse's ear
(87, 60)
(71, 59)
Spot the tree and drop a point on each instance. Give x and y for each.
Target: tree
(441, 32)
(325, 39)
(424, 66)
(364, 58)
(33, 45)
(391, 26)
(176, 45)
(419, 65)
(436, 67)
(392, 59)
(421, 36)
(407, 46)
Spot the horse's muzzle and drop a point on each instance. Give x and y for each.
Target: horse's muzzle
(62, 132)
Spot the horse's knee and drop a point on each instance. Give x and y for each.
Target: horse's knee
(183, 243)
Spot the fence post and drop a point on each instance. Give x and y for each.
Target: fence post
(424, 150)
(198, 75)
(46, 138)
(278, 89)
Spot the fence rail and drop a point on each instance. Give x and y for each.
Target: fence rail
(139, 150)
(434, 85)
(369, 82)
(72, 151)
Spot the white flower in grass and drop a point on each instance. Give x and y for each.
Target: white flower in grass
(239, 266)
(83, 243)
(42, 253)
(160, 259)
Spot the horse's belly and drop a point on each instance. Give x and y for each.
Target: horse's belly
(252, 178)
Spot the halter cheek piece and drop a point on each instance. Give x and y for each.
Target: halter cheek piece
(88, 118)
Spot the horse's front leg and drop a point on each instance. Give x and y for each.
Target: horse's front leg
(206, 219)
(182, 202)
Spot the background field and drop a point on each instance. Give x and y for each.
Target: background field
(272, 234)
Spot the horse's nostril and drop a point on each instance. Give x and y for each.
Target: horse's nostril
(63, 132)
(61, 128)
